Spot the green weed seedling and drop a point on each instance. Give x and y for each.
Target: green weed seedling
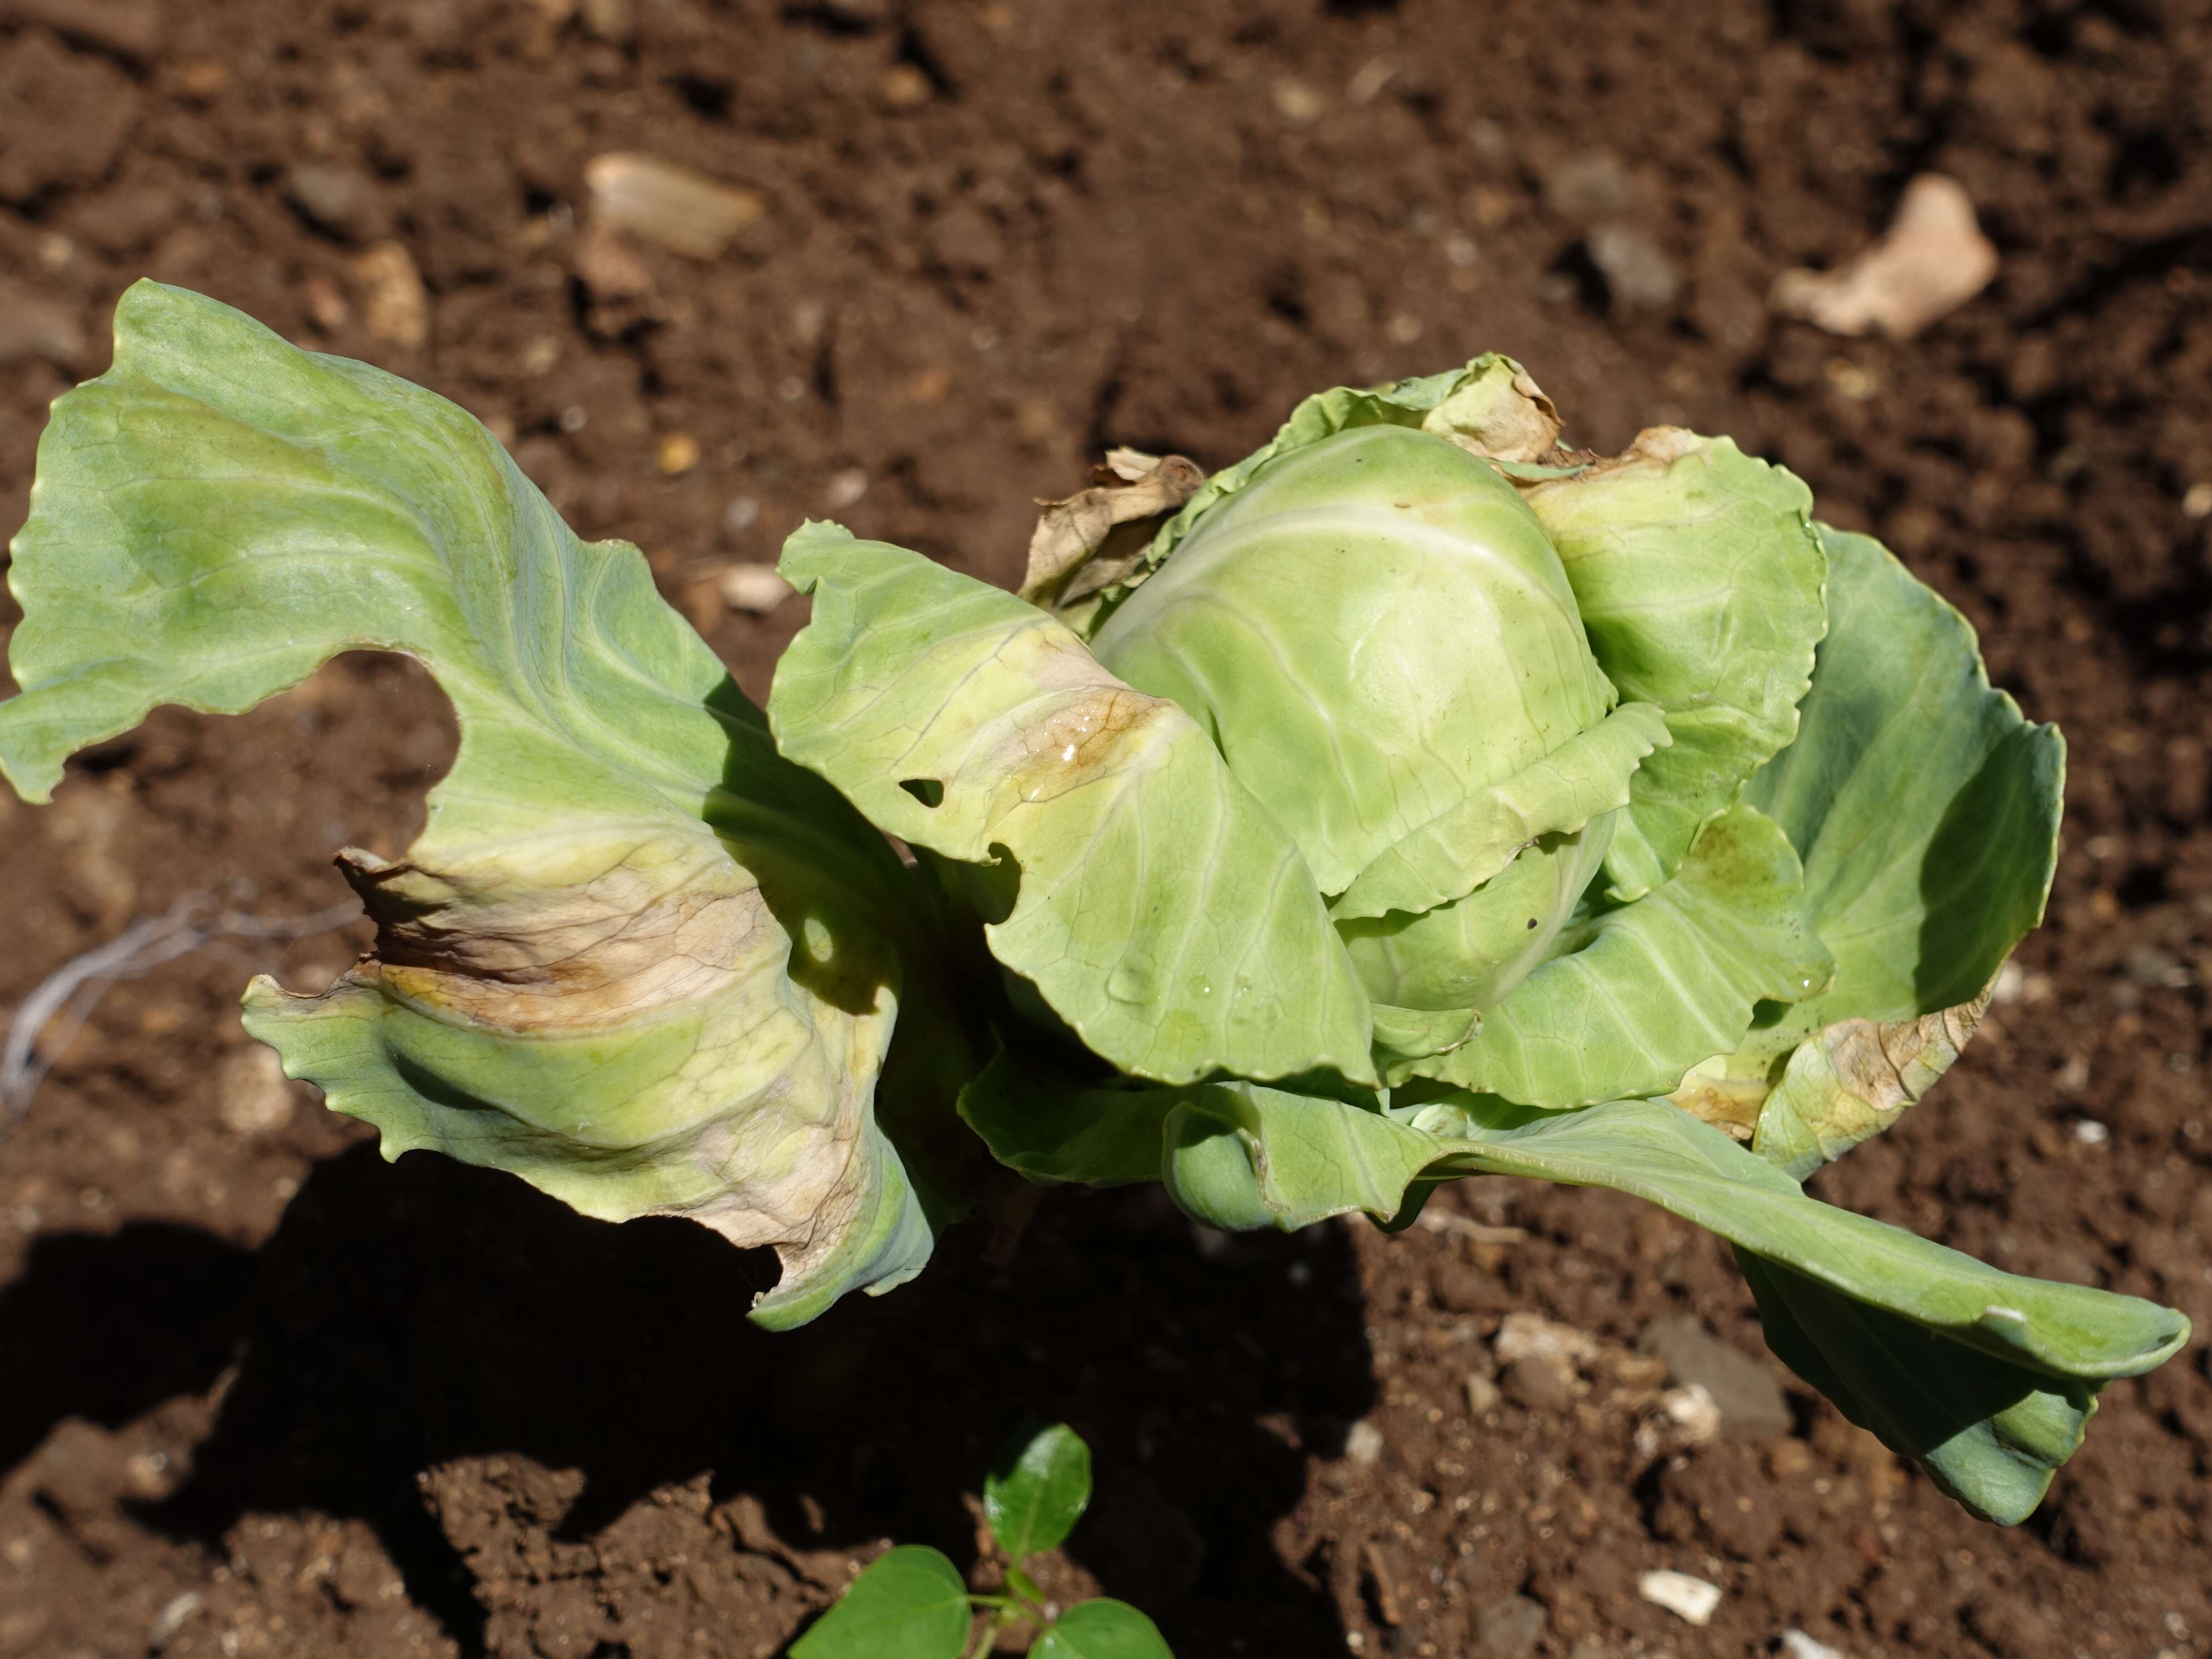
(912, 1603)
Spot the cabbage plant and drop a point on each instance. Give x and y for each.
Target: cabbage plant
(1419, 799)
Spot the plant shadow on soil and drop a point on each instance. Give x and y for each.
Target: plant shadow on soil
(408, 1315)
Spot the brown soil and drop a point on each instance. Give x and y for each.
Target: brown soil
(349, 1408)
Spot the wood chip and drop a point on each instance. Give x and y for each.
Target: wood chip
(1932, 260)
(673, 206)
(1691, 1599)
(394, 304)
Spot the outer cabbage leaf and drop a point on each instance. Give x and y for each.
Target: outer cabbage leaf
(1235, 1154)
(1926, 809)
(636, 956)
(1985, 1378)
(1699, 580)
(1990, 1434)
(1850, 1080)
(1639, 994)
(1161, 911)
(1244, 1156)
(1650, 1148)
(1057, 1129)
(1924, 805)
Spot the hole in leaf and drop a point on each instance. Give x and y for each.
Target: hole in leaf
(928, 791)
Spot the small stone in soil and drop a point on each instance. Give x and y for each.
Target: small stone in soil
(614, 21)
(33, 326)
(1298, 103)
(393, 303)
(1750, 1400)
(172, 1618)
(342, 200)
(1363, 1444)
(904, 87)
(1525, 1335)
(1795, 1644)
(1681, 1419)
(1538, 1383)
(1638, 272)
(1509, 1628)
(124, 219)
(256, 1096)
(1932, 260)
(1590, 189)
(753, 587)
(1692, 1599)
(1458, 1287)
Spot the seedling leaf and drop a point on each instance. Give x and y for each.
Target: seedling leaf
(1104, 1629)
(910, 1604)
(1034, 1502)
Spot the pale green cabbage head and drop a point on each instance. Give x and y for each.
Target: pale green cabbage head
(1375, 630)
(1416, 799)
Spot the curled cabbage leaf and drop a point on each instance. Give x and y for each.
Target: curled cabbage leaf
(636, 957)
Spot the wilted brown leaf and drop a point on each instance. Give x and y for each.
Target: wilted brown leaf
(1070, 554)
